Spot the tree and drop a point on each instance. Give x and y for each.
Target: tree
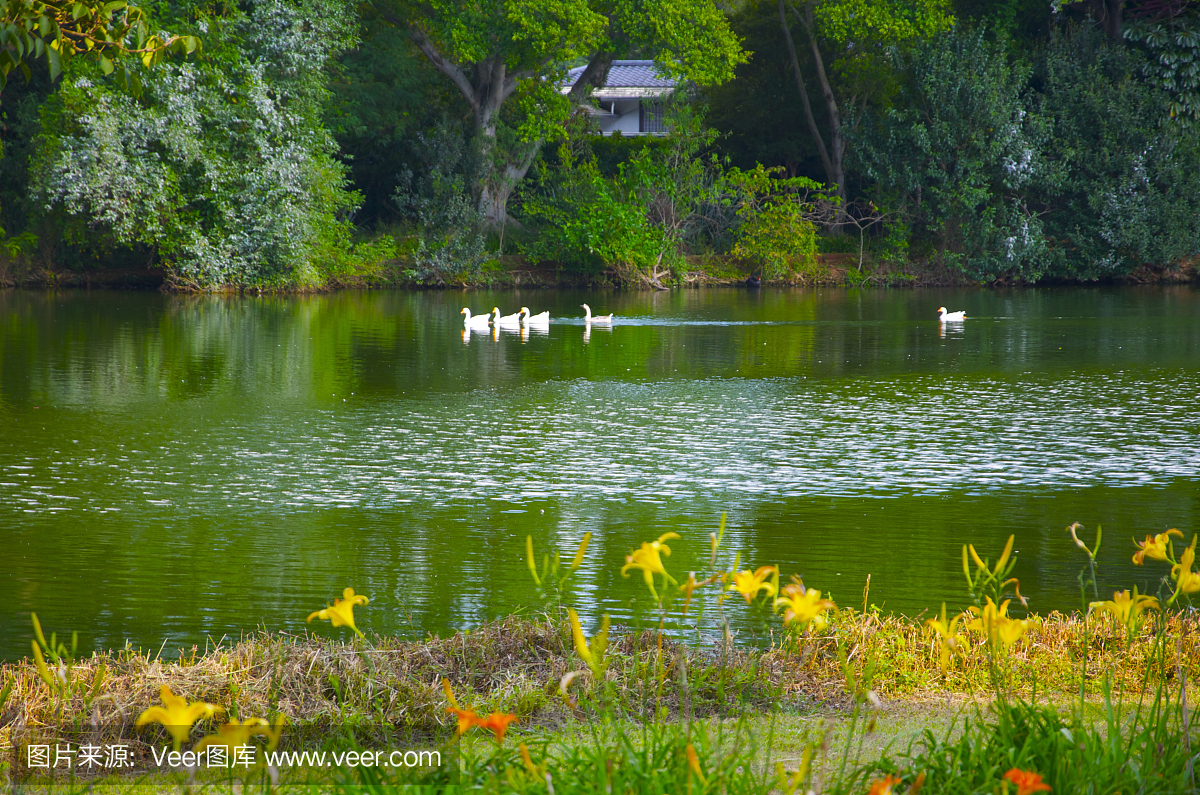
(223, 170)
(506, 58)
(61, 29)
(957, 153)
(858, 31)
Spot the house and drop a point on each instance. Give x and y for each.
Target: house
(631, 99)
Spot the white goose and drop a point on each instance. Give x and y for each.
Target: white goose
(476, 322)
(950, 317)
(540, 319)
(590, 318)
(508, 321)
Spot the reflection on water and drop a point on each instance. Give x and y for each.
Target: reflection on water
(176, 467)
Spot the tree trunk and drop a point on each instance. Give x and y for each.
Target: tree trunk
(831, 156)
(485, 91)
(837, 144)
(1109, 14)
(808, 114)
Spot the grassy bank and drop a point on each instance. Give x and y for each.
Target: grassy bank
(391, 690)
(532, 704)
(515, 271)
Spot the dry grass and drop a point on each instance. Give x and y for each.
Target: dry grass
(515, 665)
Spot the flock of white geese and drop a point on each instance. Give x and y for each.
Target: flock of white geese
(523, 318)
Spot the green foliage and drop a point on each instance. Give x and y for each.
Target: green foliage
(780, 238)
(439, 201)
(1121, 185)
(590, 222)
(862, 21)
(224, 169)
(1066, 168)
(1171, 42)
(758, 112)
(681, 182)
(499, 49)
(776, 228)
(58, 30)
(1070, 753)
(385, 93)
(955, 151)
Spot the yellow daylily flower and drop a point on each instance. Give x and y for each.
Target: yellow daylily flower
(1186, 580)
(593, 653)
(647, 558)
(804, 605)
(994, 622)
(750, 583)
(233, 734)
(341, 612)
(177, 715)
(1154, 547)
(1127, 608)
(947, 632)
(1010, 630)
(273, 733)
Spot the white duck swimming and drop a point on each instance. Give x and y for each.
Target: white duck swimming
(508, 321)
(950, 317)
(540, 319)
(590, 318)
(476, 322)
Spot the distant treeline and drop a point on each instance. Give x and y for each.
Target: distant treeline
(315, 143)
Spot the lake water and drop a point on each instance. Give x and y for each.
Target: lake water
(177, 468)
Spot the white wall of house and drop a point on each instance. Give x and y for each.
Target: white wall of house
(621, 114)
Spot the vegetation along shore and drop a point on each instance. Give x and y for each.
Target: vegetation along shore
(297, 145)
(535, 703)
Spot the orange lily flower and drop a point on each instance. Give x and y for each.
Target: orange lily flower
(466, 719)
(1154, 547)
(884, 786)
(497, 724)
(1027, 781)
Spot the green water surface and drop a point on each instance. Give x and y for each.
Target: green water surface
(175, 468)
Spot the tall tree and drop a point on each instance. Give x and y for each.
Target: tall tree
(506, 58)
(856, 32)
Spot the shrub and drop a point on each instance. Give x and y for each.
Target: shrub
(223, 167)
(780, 238)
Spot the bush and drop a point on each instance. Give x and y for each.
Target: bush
(956, 152)
(449, 225)
(780, 238)
(223, 168)
(1072, 167)
(1121, 182)
(590, 222)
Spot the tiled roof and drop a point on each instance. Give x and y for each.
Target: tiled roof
(627, 74)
